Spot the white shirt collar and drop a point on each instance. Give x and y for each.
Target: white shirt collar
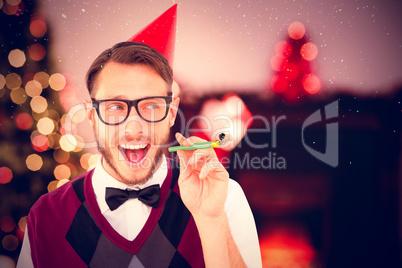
(101, 179)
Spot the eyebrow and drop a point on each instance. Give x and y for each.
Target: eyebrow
(123, 97)
(118, 97)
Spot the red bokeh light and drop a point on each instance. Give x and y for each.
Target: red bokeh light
(296, 30)
(283, 48)
(279, 84)
(24, 121)
(37, 52)
(278, 63)
(291, 71)
(13, 7)
(311, 83)
(40, 143)
(5, 175)
(38, 28)
(309, 51)
(9, 9)
(286, 247)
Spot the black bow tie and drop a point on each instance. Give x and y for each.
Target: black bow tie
(149, 196)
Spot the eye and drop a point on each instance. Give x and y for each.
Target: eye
(115, 107)
(152, 106)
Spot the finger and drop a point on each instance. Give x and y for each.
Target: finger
(183, 157)
(182, 140)
(191, 140)
(199, 154)
(209, 167)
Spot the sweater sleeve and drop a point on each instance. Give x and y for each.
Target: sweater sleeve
(242, 225)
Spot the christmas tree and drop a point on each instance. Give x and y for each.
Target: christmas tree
(37, 155)
(292, 64)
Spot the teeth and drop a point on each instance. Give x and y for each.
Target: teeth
(133, 146)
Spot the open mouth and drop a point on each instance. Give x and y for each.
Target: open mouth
(134, 153)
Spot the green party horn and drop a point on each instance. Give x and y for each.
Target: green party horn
(201, 145)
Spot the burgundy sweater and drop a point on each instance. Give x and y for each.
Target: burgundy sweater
(67, 229)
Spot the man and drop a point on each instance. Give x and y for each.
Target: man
(137, 208)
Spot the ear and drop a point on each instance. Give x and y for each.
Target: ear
(173, 110)
(90, 111)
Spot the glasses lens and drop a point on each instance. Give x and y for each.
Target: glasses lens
(113, 112)
(154, 109)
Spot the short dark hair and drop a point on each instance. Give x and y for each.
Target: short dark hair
(131, 53)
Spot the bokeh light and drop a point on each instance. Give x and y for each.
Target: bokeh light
(52, 185)
(10, 9)
(278, 62)
(79, 143)
(7, 224)
(291, 71)
(309, 51)
(13, 81)
(62, 172)
(37, 52)
(6, 261)
(13, 2)
(24, 121)
(296, 30)
(5, 175)
(88, 161)
(42, 78)
(16, 58)
(34, 162)
(68, 142)
(51, 140)
(76, 115)
(18, 96)
(45, 126)
(57, 81)
(54, 140)
(283, 48)
(22, 223)
(10, 242)
(38, 28)
(286, 247)
(62, 182)
(311, 83)
(33, 88)
(2, 81)
(53, 114)
(38, 104)
(73, 170)
(61, 156)
(39, 142)
(92, 161)
(279, 84)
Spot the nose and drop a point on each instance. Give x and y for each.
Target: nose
(135, 127)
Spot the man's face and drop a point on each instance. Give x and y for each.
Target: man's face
(131, 150)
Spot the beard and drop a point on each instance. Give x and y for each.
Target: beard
(104, 150)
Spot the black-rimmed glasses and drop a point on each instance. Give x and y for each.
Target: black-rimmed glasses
(115, 111)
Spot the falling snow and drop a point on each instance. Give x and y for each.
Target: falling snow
(358, 44)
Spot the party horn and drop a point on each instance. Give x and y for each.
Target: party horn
(202, 145)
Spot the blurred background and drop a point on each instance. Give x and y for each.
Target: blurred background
(269, 66)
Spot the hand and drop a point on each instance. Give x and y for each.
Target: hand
(203, 180)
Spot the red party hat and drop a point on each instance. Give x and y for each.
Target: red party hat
(160, 34)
